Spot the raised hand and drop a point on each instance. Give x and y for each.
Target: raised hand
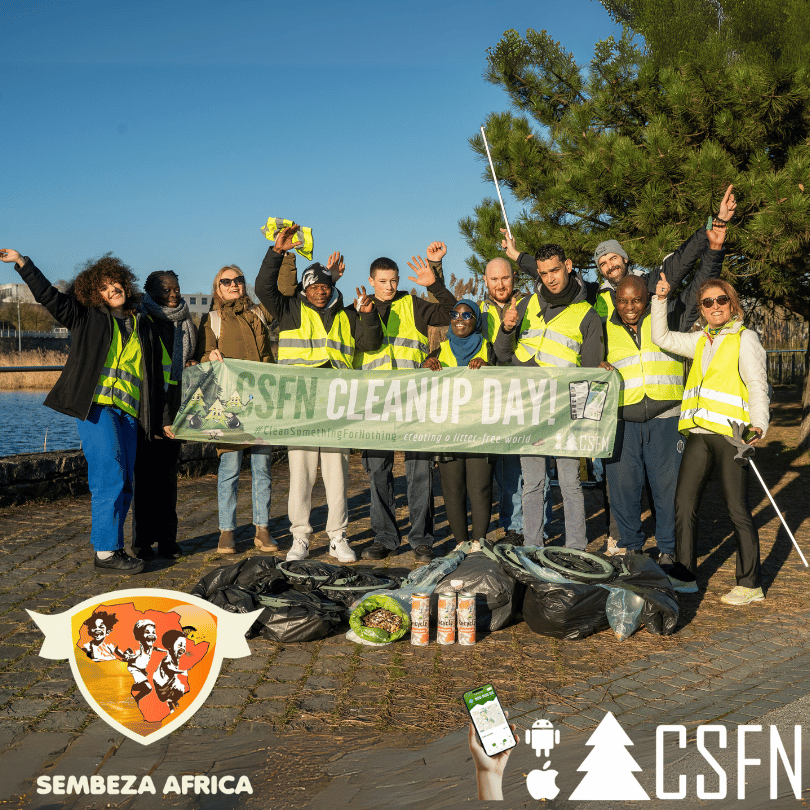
(728, 205)
(336, 266)
(509, 246)
(475, 363)
(716, 235)
(432, 363)
(424, 275)
(284, 240)
(436, 251)
(8, 255)
(510, 315)
(363, 303)
(662, 288)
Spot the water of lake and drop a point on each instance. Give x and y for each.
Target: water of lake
(26, 421)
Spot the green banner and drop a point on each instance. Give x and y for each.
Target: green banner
(494, 409)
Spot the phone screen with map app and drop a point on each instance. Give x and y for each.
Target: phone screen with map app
(489, 720)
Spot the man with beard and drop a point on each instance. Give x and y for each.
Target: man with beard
(554, 328)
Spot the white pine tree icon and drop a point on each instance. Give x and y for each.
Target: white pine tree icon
(609, 767)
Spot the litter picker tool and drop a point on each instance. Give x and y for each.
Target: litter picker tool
(495, 180)
(744, 456)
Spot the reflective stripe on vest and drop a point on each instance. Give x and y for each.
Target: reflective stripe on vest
(648, 371)
(310, 345)
(447, 359)
(119, 383)
(556, 343)
(604, 305)
(710, 401)
(403, 345)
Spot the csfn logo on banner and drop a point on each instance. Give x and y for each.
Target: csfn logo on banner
(145, 660)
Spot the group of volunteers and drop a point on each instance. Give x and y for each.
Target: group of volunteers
(128, 352)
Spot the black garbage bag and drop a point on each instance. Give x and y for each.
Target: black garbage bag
(660, 612)
(494, 589)
(567, 610)
(339, 583)
(294, 616)
(254, 574)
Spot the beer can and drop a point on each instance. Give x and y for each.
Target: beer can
(466, 618)
(420, 619)
(446, 630)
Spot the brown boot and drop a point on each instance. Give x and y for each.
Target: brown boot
(263, 541)
(227, 543)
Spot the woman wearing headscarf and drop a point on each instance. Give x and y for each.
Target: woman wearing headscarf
(237, 328)
(154, 512)
(465, 474)
(728, 383)
(115, 378)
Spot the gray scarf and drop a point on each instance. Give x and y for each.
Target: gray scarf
(185, 333)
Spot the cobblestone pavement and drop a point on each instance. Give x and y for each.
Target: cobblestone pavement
(333, 723)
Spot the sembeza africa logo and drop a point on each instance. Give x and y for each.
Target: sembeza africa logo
(609, 768)
(145, 660)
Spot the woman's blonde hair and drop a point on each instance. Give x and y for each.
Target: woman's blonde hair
(216, 298)
(736, 307)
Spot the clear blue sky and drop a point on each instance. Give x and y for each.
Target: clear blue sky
(167, 132)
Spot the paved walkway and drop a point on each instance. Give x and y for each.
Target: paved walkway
(330, 723)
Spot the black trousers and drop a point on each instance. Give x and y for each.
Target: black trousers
(154, 510)
(468, 474)
(703, 453)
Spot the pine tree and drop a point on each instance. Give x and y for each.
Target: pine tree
(639, 149)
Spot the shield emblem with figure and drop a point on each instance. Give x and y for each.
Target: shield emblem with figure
(145, 660)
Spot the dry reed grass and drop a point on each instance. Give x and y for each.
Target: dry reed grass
(30, 379)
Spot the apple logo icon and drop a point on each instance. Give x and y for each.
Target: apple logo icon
(541, 784)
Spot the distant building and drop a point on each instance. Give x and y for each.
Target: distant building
(198, 303)
(11, 293)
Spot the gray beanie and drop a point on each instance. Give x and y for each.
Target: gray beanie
(611, 246)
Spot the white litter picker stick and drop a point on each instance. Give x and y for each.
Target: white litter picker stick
(773, 502)
(495, 180)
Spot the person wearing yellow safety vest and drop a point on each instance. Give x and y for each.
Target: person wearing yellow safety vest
(612, 263)
(647, 437)
(115, 378)
(317, 331)
(728, 382)
(555, 327)
(465, 474)
(405, 320)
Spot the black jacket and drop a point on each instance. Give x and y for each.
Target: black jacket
(91, 331)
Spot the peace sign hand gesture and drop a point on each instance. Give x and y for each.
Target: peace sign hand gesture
(363, 303)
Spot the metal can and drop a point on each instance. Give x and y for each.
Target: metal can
(420, 619)
(446, 630)
(466, 618)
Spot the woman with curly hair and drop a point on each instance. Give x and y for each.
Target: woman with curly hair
(154, 510)
(237, 328)
(115, 378)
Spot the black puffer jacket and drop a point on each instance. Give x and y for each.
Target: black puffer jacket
(91, 331)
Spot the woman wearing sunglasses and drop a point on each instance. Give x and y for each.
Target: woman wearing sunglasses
(465, 474)
(728, 382)
(238, 329)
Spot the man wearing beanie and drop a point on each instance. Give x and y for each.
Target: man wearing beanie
(316, 331)
(555, 327)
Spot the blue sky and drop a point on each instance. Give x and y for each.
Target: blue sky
(167, 132)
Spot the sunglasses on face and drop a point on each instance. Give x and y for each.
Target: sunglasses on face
(226, 282)
(722, 300)
(465, 316)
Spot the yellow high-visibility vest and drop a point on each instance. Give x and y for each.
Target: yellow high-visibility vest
(119, 383)
(403, 345)
(556, 343)
(311, 345)
(604, 305)
(447, 359)
(491, 317)
(710, 401)
(646, 371)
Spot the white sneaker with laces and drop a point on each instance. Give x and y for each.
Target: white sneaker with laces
(299, 550)
(340, 550)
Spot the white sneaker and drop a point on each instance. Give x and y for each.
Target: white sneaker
(613, 548)
(299, 550)
(339, 549)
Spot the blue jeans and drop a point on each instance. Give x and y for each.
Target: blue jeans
(379, 464)
(652, 446)
(261, 460)
(509, 476)
(109, 438)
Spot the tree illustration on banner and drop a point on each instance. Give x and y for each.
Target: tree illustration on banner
(609, 767)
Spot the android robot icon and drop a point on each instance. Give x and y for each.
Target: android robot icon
(542, 736)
